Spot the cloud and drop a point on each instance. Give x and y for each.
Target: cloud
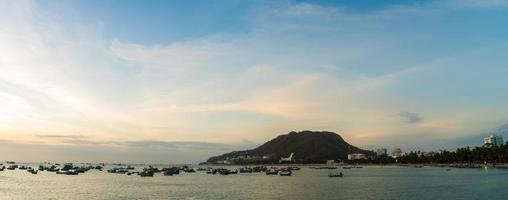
(299, 66)
(410, 117)
(62, 136)
(155, 144)
(478, 3)
(139, 151)
(175, 55)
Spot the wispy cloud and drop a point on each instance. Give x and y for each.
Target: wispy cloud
(410, 117)
(62, 136)
(298, 66)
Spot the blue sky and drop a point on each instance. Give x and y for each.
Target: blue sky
(198, 78)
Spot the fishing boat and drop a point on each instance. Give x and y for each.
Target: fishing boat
(171, 171)
(53, 168)
(223, 171)
(271, 171)
(324, 167)
(12, 167)
(146, 174)
(285, 173)
(33, 171)
(258, 169)
(245, 170)
(211, 171)
(331, 175)
(167, 173)
(67, 172)
(189, 170)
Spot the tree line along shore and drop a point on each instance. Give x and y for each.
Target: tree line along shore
(468, 157)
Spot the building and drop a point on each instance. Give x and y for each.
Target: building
(356, 156)
(381, 152)
(396, 153)
(493, 140)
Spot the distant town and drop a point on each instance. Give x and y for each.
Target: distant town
(493, 150)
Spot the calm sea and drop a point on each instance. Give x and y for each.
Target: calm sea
(370, 182)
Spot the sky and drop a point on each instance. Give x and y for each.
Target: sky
(180, 81)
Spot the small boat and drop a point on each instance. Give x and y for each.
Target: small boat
(271, 171)
(223, 171)
(293, 168)
(211, 171)
(168, 173)
(346, 167)
(189, 170)
(245, 170)
(12, 167)
(146, 174)
(67, 172)
(258, 169)
(33, 171)
(448, 169)
(331, 175)
(171, 171)
(324, 167)
(53, 168)
(285, 173)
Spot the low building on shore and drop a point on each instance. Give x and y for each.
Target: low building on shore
(356, 156)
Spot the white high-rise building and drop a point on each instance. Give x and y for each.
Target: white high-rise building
(495, 140)
(397, 152)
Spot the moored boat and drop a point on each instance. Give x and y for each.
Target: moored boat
(12, 167)
(271, 171)
(33, 171)
(285, 173)
(331, 175)
(146, 174)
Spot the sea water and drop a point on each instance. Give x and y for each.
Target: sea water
(369, 182)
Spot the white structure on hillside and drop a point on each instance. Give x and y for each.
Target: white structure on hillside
(356, 156)
(291, 158)
(494, 140)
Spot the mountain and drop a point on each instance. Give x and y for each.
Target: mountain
(307, 146)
